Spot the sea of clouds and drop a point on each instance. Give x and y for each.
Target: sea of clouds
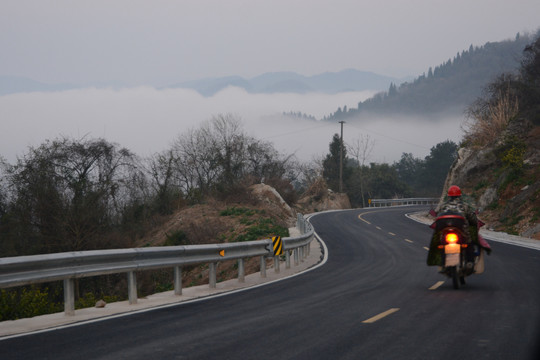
(147, 120)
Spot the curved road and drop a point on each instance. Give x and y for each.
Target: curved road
(371, 300)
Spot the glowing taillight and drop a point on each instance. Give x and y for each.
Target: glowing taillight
(451, 238)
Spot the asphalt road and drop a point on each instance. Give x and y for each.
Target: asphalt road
(371, 300)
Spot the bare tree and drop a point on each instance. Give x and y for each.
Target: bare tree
(361, 148)
(166, 188)
(66, 193)
(489, 116)
(220, 155)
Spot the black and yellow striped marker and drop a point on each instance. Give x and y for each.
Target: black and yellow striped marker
(278, 245)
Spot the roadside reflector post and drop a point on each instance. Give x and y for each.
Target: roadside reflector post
(263, 266)
(241, 271)
(132, 288)
(212, 275)
(69, 297)
(277, 245)
(177, 280)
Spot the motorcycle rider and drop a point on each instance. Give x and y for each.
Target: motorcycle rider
(455, 203)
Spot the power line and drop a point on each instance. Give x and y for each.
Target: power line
(388, 137)
(351, 124)
(297, 131)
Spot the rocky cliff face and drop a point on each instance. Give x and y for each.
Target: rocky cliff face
(503, 178)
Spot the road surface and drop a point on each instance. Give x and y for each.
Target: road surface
(374, 299)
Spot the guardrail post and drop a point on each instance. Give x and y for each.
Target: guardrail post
(287, 259)
(301, 223)
(241, 271)
(212, 276)
(296, 261)
(177, 280)
(276, 264)
(263, 266)
(69, 297)
(132, 288)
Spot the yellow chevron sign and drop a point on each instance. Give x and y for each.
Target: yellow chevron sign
(278, 245)
(222, 252)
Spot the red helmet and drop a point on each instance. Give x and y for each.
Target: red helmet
(454, 191)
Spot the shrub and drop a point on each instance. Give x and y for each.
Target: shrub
(264, 228)
(236, 211)
(488, 118)
(512, 153)
(26, 302)
(177, 238)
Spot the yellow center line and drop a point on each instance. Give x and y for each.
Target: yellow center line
(391, 233)
(378, 228)
(380, 316)
(426, 248)
(407, 240)
(364, 220)
(437, 284)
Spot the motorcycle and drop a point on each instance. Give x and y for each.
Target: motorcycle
(457, 255)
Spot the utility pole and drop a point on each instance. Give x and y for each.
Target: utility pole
(341, 159)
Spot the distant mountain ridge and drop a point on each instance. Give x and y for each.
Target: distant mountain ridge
(15, 84)
(267, 83)
(449, 87)
(290, 82)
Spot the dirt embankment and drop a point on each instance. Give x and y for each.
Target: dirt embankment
(319, 198)
(260, 214)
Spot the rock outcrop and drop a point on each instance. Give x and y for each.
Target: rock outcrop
(319, 198)
(269, 196)
(507, 196)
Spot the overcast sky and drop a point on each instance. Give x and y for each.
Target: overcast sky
(147, 44)
(160, 42)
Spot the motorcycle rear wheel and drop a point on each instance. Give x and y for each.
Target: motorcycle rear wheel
(455, 277)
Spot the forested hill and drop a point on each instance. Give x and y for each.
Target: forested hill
(451, 86)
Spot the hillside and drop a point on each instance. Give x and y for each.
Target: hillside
(498, 164)
(260, 215)
(507, 200)
(451, 86)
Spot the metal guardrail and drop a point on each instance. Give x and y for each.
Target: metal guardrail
(26, 270)
(402, 202)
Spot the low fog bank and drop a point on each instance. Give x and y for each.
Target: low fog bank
(146, 120)
(390, 136)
